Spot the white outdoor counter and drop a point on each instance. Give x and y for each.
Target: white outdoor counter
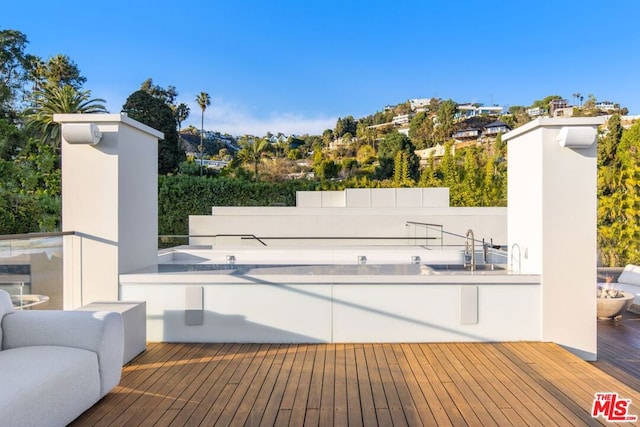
(287, 308)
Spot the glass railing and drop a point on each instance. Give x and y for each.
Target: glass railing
(32, 265)
(425, 232)
(426, 235)
(418, 234)
(31, 269)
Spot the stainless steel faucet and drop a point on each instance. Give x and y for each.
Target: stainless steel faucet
(471, 247)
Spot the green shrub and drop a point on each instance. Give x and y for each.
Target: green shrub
(181, 195)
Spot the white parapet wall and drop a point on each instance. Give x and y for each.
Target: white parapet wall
(375, 198)
(552, 223)
(352, 217)
(338, 308)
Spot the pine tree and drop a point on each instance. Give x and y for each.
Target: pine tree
(397, 166)
(450, 175)
(429, 175)
(470, 188)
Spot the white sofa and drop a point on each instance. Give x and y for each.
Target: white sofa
(629, 281)
(54, 365)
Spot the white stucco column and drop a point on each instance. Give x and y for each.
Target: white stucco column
(110, 198)
(552, 220)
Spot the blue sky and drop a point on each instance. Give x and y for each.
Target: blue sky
(296, 66)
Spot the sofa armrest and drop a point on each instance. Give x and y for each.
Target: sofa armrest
(101, 332)
(630, 275)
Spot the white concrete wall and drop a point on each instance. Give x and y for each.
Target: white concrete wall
(552, 216)
(524, 195)
(332, 199)
(355, 197)
(137, 199)
(308, 199)
(346, 222)
(384, 198)
(109, 197)
(282, 310)
(357, 213)
(410, 197)
(403, 313)
(375, 197)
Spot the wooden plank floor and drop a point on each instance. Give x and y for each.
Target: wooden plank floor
(475, 384)
(619, 348)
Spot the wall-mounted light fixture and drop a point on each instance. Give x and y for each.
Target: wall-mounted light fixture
(577, 136)
(81, 133)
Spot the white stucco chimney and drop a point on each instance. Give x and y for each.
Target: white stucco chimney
(110, 198)
(552, 223)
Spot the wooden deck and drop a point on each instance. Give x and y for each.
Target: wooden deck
(619, 349)
(508, 384)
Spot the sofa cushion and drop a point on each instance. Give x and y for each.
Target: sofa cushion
(99, 332)
(630, 275)
(47, 385)
(6, 307)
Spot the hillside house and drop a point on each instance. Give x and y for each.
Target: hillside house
(402, 119)
(536, 112)
(557, 104)
(467, 134)
(436, 151)
(493, 129)
(466, 111)
(605, 106)
(419, 104)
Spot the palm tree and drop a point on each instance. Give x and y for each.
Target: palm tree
(181, 112)
(37, 70)
(253, 150)
(203, 100)
(60, 70)
(52, 99)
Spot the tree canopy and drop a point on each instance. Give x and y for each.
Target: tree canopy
(156, 113)
(252, 152)
(59, 71)
(392, 144)
(421, 130)
(445, 120)
(168, 95)
(53, 99)
(344, 126)
(14, 70)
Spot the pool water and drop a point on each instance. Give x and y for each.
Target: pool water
(294, 269)
(327, 269)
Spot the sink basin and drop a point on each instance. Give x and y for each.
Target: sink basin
(462, 267)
